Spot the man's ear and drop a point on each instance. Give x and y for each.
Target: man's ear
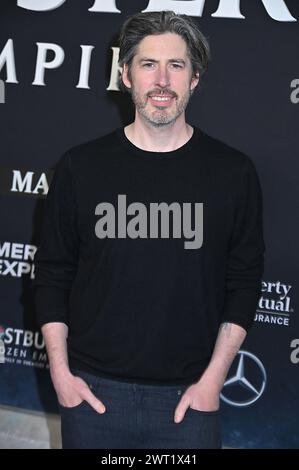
(195, 81)
(125, 76)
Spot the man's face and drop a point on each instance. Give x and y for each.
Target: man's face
(160, 79)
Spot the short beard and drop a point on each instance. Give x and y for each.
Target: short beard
(163, 118)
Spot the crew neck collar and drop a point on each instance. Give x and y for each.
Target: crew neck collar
(179, 152)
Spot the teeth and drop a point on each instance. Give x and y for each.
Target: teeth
(159, 98)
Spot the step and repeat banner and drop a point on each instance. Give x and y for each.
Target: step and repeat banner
(58, 88)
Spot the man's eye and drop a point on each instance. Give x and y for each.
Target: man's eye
(150, 64)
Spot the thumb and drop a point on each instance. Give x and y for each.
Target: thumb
(180, 411)
(94, 402)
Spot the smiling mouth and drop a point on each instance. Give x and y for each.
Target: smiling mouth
(161, 100)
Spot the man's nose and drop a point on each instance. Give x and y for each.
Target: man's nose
(162, 77)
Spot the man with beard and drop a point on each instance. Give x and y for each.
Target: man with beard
(141, 332)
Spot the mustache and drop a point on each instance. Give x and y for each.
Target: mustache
(162, 92)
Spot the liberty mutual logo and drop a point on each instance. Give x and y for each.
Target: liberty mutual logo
(175, 218)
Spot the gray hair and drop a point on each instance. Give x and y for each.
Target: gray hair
(140, 25)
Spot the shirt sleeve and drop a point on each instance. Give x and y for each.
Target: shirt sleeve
(56, 258)
(245, 260)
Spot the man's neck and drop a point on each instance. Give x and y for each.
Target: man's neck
(158, 139)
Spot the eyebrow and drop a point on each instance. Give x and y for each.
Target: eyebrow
(147, 59)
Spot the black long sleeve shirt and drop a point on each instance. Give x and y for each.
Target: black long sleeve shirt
(143, 254)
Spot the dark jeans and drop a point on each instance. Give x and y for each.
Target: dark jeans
(136, 417)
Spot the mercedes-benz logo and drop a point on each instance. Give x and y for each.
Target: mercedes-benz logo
(250, 379)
